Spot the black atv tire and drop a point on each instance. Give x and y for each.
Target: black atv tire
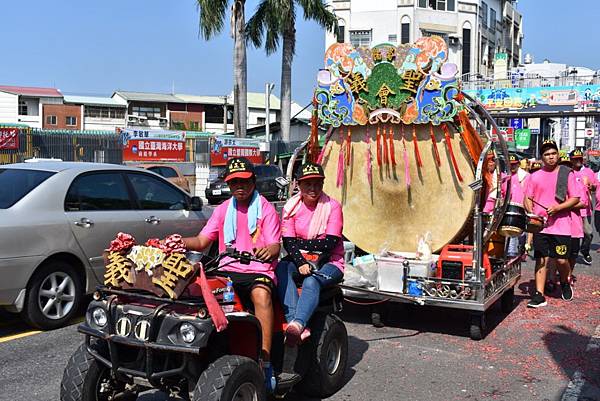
(329, 357)
(32, 313)
(223, 379)
(83, 377)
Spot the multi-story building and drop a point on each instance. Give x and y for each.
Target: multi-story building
(25, 105)
(475, 30)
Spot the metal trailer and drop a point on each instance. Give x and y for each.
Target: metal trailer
(478, 294)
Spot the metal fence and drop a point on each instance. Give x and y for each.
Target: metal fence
(67, 145)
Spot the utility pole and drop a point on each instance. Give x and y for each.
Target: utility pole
(268, 89)
(224, 114)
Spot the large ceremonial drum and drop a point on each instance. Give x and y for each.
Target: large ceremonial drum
(403, 151)
(389, 213)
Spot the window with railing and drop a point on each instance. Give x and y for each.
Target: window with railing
(360, 38)
(440, 5)
(103, 112)
(22, 108)
(484, 14)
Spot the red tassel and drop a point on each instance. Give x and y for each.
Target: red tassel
(369, 158)
(416, 143)
(392, 150)
(340, 167)
(385, 148)
(435, 149)
(449, 144)
(378, 147)
(406, 165)
(348, 145)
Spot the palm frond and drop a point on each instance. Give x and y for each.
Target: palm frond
(319, 12)
(212, 16)
(256, 25)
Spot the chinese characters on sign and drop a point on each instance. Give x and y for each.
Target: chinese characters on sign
(153, 145)
(223, 148)
(9, 138)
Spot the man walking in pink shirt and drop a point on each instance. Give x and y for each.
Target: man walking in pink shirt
(552, 193)
(587, 177)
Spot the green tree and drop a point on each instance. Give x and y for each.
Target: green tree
(275, 20)
(212, 20)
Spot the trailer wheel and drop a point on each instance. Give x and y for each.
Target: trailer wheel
(507, 301)
(477, 328)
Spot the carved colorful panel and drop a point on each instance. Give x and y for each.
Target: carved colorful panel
(412, 84)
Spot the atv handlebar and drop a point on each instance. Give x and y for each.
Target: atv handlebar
(244, 257)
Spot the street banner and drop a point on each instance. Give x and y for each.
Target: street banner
(9, 138)
(523, 138)
(223, 148)
(143, 145)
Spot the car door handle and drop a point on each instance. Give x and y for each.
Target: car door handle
(152, 220)
(84, 222)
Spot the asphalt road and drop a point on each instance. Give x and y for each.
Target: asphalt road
(422, 353)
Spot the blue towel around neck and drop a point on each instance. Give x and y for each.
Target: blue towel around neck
(254, 213)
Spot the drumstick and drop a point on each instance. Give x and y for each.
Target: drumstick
(539, 204)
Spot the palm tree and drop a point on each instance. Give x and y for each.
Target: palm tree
(212, 20)
(275, 19)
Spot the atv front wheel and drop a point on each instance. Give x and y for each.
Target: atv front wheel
(329, 349)
(230, 378)
(86, 379)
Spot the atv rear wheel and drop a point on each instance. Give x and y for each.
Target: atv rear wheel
(231, 378)
(86, 379)
(329, 357)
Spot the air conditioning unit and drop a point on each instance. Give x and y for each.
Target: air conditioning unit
(163, 122)
(132, 119)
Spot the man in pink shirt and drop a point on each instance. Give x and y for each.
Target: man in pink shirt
(247, 222)
(552, 193)
(588, 178)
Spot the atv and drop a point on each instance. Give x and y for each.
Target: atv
(136, 341)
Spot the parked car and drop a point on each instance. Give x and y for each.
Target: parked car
(171, 173)
(266, 175)
(56, 218)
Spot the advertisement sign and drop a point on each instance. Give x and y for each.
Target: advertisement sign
(516, 123)
(507, 132)
(563, 98)
(523, 138)
(143, 145)
(224, 148)
(9, 138)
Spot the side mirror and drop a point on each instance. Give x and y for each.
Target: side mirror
(196, 203)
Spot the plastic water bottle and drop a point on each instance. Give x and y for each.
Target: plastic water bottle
(228, 296)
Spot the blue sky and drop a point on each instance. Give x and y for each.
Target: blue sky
(95, 47)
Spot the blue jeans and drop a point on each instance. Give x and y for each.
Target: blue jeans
(301, 307)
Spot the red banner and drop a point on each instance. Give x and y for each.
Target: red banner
(9, 138)
(220, 158)
(154, 150)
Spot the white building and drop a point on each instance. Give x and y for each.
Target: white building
(24, 105)
(475, 30)
(99, 113)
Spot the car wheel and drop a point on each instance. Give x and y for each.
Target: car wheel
(54, 295)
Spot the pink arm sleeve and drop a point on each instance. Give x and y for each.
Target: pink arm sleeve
(335, 224)
(215, 222)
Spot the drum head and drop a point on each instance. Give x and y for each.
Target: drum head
(388, 213)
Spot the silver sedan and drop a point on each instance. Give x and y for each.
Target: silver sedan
(56, 218)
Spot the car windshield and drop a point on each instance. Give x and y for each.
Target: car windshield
(17, 183)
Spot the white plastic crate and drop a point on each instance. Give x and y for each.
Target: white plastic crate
(390, 270)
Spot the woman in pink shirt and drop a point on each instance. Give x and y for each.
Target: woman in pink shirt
(311, 230)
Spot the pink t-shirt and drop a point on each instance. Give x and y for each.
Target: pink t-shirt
(297, 226)
(517, 189)
(593, 180)
(576, 220)
(490, 200)
(541, 187)
(269, 233)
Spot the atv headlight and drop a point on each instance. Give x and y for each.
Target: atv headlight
(188, 332)
(99, 317)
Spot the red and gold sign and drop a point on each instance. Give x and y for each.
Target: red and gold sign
(159, 270)
(9, 138)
